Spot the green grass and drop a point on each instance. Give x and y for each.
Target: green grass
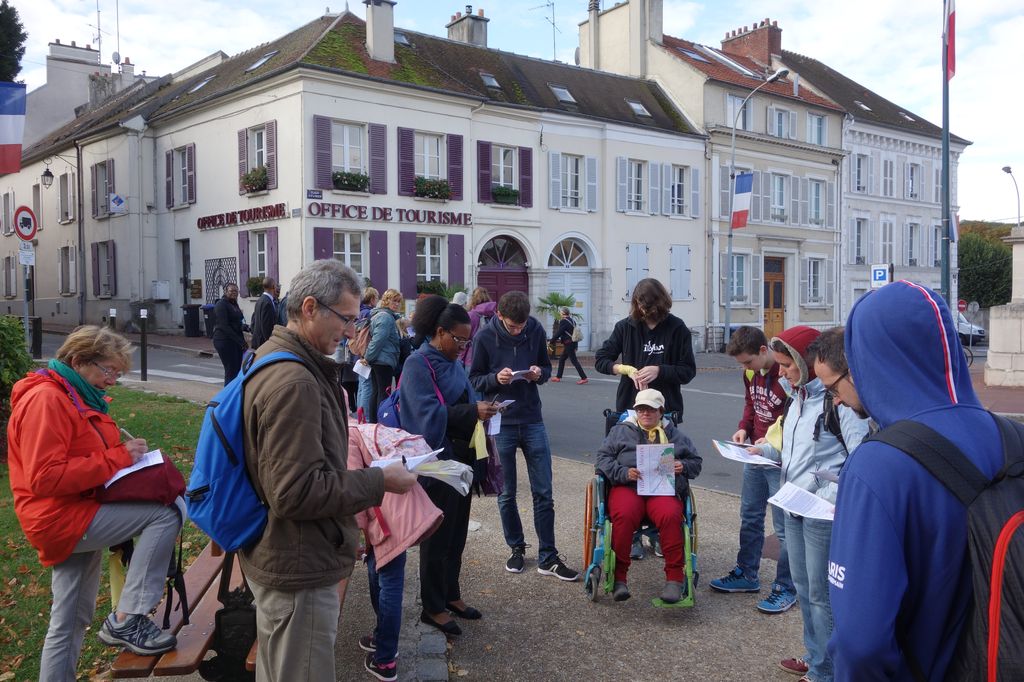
(167, 423)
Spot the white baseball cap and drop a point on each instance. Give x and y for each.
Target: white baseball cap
(651, 398)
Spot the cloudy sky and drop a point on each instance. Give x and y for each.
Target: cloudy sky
(893, 48)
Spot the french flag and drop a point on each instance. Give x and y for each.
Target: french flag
(741, 200)
(12, 126)
(950, 35)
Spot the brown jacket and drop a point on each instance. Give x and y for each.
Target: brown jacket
(296, 426)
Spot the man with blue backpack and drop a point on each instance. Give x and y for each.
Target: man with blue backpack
(296, 446)
(928, 507)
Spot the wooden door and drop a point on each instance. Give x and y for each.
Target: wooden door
(774, 296)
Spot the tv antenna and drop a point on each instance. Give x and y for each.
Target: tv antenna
(554, 26)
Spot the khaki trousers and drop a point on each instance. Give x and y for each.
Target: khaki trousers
(296, 632)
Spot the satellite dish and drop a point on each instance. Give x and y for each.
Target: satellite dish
(116, 57)
(577, 56)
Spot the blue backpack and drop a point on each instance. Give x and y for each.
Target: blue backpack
(220, 497)
(389, 412)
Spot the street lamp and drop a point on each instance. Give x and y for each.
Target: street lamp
(1009, 171)
(781, 73)
(47, 178)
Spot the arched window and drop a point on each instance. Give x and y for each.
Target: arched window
(568, 253)
(504, 253)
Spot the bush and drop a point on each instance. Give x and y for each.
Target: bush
(432, 189)
(255, 180)
(985, 270)
(350, 182)
(503, 194)
(254, 285)
(14, 364)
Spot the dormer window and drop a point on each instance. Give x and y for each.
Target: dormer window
(199, 86)
(563, 94)
(490, 81)
(638, 109)
(906, 117)
(401, 38)
(860, 104)
(261, 61)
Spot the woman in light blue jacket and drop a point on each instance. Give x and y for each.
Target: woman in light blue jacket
(384, 348)
(811, 455)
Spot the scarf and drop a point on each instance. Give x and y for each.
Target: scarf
(93, 397)
(655, 435)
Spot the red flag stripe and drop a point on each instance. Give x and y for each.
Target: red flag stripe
(950, 39)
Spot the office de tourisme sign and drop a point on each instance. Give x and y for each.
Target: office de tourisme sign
(326, 209)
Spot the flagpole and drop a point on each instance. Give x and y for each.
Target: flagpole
(945, 286)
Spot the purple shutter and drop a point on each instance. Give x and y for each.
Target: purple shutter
(378, 158)
(112, 265)
(271, 154)
(406, 161)
(243, 158)
(94, 251)
(95, 194)
(272, 252)
(322, 152)
(525, 177)
(455, 166)
(407, 264)
(243, 261)
(323, 243)
(456, 260)
(110, 182)
(483, 172)
(379, 259)
(190, 168)
(169, 164)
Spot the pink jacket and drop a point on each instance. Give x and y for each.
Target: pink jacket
(401, 521)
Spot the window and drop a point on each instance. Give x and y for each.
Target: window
(181, 179)
(102, 188)
(859, 242)
(66, 197)
(638, 109)
(258, 254)
(738, 288)
(860, 104)
(348, 248)
(428, 258)
(678, 188)
(402, 39)
(635, 186)
(181, 173)
(67, 274)
(937, 193)
(563, 94)
(429, 152)
(860, 172)
(347, 148)
(10, 276)
(815, 285)
(733, 103)
(37, 206)
(888, 173)
(490, 81)
(778, 197)
(8, 216)
(816, 129)
(572, 177)
(199, 86)
(261, 61)
(815, 209)
(887, 241)
(937, 246)
(503, 166)
(104, 273)
(911, 246)
(568, 253)
(257, 147)
(913, 187)
(779, 122)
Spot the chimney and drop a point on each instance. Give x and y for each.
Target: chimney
(763, 40)
(594, 34)
(380, 30)
(469, 28)
(127, 70)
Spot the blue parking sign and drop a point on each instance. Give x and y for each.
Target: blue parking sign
(879, 276)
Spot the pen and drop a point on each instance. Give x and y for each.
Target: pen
(127, 435)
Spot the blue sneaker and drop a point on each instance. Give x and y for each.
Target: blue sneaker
(735, 582)
(779, 601)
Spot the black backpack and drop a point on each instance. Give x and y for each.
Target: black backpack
(828, 419)
(991, 645)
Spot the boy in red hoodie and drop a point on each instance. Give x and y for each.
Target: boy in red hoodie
(764, 399)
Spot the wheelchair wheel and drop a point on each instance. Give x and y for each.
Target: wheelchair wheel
(594, 584)
(693, 519)
(589, 522)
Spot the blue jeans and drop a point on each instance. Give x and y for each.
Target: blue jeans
(809, 541)
(386, 586)
(760, 483)
(533, 439)
(363, 395)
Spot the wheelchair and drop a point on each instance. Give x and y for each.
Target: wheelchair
(597, 544)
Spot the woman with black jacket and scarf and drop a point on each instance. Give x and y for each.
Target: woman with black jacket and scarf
(655, 347)
(566, 327)
(227, 332)
(438, 403)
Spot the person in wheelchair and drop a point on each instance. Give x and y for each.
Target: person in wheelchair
(616, 460)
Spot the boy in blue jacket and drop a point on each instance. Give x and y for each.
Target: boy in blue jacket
(510, 359)
(899, 574)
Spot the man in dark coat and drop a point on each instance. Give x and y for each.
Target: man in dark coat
(264, 317)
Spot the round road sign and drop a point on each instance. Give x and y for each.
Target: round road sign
(961, 305)
(973, 307)
(25, 223)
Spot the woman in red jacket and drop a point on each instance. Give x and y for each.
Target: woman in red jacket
(62, 446)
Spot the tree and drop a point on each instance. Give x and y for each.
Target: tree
(985, 267)
(12, 42)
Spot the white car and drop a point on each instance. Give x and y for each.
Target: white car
(967, 330)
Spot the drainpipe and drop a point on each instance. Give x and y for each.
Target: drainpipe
(80, 208)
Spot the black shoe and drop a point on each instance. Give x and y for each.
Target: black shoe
(387, 673)
(516, 560)
(469, 613)
(559, 570)
(367, 643)
(451, 628)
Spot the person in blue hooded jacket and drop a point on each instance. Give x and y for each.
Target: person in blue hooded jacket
(509, 361)
(899, 574)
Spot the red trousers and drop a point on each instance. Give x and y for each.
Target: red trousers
(627, 511)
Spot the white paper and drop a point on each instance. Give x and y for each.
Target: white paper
(151, 458)
(362, 369)
(829, 476)
(504, 403)
(796, 500)
(657, 470)
(410, 462)
(739, 453)
(494, 424)
(520, 375)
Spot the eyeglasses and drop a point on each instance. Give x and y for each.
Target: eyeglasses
(831, 388)
(107, 372)
(462, 341)
(344, 318)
